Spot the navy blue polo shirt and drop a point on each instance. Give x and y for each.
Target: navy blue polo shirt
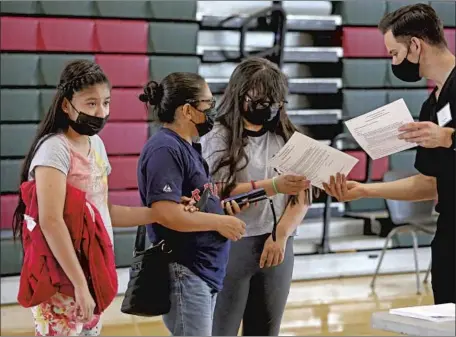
(168, 168)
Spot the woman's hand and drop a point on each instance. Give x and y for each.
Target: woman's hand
(273, 252)
(232, 208)
(189, 204)
(85, 304)
(231, 227)
(291, 184)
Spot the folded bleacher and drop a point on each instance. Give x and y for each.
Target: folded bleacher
(132, 42)
(334, 56)
(136, 42)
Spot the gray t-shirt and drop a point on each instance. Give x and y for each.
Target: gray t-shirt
(88, 173)
(258, 218)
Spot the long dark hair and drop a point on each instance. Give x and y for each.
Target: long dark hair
(76, 76)
(266, 79)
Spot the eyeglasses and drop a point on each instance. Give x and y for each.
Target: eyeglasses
(211, 101)
(263, 103)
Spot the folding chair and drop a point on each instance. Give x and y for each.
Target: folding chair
(409, 217)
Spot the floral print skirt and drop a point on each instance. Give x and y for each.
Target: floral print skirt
(58, 317)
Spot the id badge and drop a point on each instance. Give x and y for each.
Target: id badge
(444, 115)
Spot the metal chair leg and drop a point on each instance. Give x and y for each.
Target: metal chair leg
(428, 271)
(385, 247)
(417, 268)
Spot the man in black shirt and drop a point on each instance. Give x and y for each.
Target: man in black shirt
(414, 38)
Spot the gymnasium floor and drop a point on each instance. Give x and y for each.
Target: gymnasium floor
(336, 307)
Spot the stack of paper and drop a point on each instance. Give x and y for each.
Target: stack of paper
(305, 156)
(435, 313)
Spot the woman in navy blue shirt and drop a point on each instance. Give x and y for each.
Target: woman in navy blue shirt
(171, 167)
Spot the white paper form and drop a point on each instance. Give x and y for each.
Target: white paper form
(377, 131)
(436, 313)
(308, 157)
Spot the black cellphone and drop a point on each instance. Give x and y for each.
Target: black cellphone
(258, 194)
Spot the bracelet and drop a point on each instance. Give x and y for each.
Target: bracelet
(274, 186)
(253, 184)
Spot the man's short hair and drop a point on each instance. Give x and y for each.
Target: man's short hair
(417, 20)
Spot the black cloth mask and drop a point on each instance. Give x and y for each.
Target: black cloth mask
(205, 127)
(407, 71)
(87, 125)
(261, 116)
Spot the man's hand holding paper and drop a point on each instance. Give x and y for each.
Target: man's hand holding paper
(377, 132)
(308, 157)
(426, 134)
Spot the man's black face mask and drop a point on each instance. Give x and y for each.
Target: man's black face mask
(407, 71)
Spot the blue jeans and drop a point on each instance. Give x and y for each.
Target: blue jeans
(192, 304)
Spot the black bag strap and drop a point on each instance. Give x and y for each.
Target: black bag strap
(140, 241)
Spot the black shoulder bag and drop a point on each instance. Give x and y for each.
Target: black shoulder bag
(148, 291)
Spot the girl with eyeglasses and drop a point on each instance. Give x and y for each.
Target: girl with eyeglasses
(252, 126)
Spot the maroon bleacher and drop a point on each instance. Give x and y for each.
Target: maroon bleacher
(125, 70)
(363, 42)
(124, 138)
(74, 35)
(62, 34)
(125, 106)
(115, 36)
(123, 173)
(378, 169)
(125, 198)
(19, 33)
(8, 204)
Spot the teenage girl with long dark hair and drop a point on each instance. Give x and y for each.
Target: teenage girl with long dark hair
(252, 126)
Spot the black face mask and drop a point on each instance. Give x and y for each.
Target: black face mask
(261, 116)
(87, 125)
(205, 127)
(407, 71)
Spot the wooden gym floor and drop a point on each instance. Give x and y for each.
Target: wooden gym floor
(334, 307)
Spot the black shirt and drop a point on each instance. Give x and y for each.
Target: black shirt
(440, 162)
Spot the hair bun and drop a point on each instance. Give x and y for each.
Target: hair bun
(143, 98)
(153, 93)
